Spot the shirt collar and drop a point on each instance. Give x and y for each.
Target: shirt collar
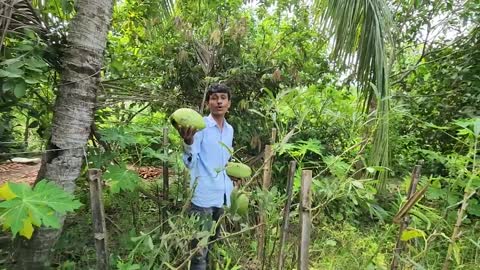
(211, 122)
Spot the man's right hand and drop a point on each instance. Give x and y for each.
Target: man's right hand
(186, 133)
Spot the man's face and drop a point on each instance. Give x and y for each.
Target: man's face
(218, 103)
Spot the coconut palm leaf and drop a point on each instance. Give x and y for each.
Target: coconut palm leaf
(16, 15)
(360, 30)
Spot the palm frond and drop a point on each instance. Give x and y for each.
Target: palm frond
(16, 15)
(361, 30)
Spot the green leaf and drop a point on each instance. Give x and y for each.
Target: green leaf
(10, 61)
(473, 207)
(22, 190)
(456, 253)
(148, 242)
(337, 166)
(41, 204)
(119, 178)
(24, 47)
(475, 182)
(118, 135)
(58, 199)
(149, 152)
(31, 80)
(20, 89)
(435, 126)
(34, 69)
(257, 112)
(8, 85)
(476, 127)
(15, 66)
(15, 214)
(16, 73)
(434, 193)
(357, 184)
(67, 6)
(36, 63)
(331, 243)
(412, 233)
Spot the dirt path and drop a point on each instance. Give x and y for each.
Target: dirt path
(27, 173)
(18, 172)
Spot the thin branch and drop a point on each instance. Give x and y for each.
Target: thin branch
(194, 251)
(137, 112)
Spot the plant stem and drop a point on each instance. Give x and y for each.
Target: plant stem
(456, 229)
(466, 196)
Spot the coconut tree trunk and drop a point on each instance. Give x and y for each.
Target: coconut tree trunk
(73, 115)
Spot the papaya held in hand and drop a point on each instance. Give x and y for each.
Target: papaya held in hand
(238, 170)
(185, 117)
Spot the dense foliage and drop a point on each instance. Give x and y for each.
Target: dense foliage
(276, 56)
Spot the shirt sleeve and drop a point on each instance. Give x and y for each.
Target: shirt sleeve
(190, 152)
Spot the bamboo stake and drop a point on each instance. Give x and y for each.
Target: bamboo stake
(273, 137)
(405, 221)
(265, 185)
(267, 170)
(286, 212)
(267, 181)
(305, 219)
(98, 218)
(165, 176)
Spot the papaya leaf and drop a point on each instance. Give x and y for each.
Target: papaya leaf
(55, 197)
(16, 212)
(37, 206)
(120, 178)
(27, 229)
(118, 135)
(6, 193)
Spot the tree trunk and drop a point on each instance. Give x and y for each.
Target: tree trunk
(73, 115)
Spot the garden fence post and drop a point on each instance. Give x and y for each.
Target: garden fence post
(98, 218)
(305, 219)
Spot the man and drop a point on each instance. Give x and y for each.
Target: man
(205, 155)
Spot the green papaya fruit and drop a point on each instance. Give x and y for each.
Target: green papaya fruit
(242, 204)
(238, 170)
(187, 117)
(238, 202)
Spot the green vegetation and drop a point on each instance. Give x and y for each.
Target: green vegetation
(359, 92)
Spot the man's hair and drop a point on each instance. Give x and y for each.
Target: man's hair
(218, 88)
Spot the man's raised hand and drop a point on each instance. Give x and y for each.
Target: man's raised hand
(186, 133)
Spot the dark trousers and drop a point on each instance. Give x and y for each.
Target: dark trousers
(206, 216)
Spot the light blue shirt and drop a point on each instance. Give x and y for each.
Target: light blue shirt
(206, 159)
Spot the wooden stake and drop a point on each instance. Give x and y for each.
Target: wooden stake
(406, 219)
(286, 212)
(267, 175)
(305, 219)
(267, 169)
(273, 137)
(165, 175)
(98, 218)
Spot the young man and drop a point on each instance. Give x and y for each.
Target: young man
(205, 155)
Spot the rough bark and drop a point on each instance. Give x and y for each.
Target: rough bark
(73, 115)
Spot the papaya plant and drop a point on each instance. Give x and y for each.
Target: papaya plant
(22, 206)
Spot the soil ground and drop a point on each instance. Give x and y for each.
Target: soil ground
(18, 172)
